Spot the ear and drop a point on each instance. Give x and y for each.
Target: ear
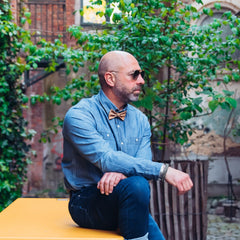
(109, 78)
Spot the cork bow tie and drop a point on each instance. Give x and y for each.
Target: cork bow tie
(113, 114)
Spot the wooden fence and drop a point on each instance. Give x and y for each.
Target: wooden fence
(182, 217)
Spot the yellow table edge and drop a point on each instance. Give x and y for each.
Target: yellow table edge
(45, 219)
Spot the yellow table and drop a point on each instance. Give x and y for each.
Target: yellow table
(45, 219)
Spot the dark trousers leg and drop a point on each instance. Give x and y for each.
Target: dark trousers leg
(127, 208)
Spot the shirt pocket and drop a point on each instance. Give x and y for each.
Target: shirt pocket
(133, 144)
(109, 138)
(107, 135)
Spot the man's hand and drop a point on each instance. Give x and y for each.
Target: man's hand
(108, 181)
(179, 179)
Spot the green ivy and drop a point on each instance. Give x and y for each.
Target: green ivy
(13, 133)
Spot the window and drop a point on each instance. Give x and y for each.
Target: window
(90, 17)
(90, 13)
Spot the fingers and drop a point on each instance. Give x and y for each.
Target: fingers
(108, 181)
(184, 186)
(179, 179)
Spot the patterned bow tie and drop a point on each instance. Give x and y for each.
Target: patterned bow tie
(113, 114)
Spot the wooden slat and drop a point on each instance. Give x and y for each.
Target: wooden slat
(190, 208)
(182, 217)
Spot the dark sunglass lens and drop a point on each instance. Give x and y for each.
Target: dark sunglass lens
(136, 74)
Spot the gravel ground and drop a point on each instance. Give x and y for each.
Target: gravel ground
(221, 227)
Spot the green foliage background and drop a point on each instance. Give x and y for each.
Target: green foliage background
(13, 133)
(164, 39)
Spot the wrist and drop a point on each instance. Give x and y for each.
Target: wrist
(163, 171)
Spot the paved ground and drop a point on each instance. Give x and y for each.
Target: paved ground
(221, 227)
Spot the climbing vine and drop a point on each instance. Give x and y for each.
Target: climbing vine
(13, 132)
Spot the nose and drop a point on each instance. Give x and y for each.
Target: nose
(140, 80)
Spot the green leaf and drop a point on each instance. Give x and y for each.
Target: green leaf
(236, 76)
(100, 13)
(57, 100)
(217, 6)
(225, 105)
(25, 99)
(185, 115)
(213, 105)
(68, 70)
(227, 78)
(117, 17)
(27, 14)
(23, 20)
(198, 108)
(234, 31)
(128, 2)
(75, 68)
(81, 12)
(208, 11)
(228, 93)
(231, 101)
(109, 12)
(197, 101)
(33, 100)
(146, 102)
(35, 66)
(227, 14)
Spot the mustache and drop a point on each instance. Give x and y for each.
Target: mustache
(138, 88)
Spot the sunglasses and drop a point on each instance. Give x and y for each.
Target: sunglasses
(136, 73)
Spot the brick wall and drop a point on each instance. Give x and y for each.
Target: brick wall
(35, 115)
(14, 8)
(70, 7)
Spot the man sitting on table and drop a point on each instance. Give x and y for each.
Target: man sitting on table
(107, 155)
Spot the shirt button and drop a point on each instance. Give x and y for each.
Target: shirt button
(122, 143)
(136, 139)
(118, 126)
(107, 135)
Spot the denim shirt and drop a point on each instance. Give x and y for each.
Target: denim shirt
(93, 144)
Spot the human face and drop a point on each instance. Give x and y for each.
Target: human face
(128, 84)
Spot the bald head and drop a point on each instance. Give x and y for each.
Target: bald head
(112, 61)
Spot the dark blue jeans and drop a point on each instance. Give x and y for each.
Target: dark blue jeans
(126, 209)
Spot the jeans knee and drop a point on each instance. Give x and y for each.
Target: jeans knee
(138, 188)
(140, 185)
(134, 196)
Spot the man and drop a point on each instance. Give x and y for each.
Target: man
(107, 155)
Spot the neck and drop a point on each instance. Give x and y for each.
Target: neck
(115, 100)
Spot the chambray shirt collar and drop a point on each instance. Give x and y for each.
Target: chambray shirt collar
(107, 104)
